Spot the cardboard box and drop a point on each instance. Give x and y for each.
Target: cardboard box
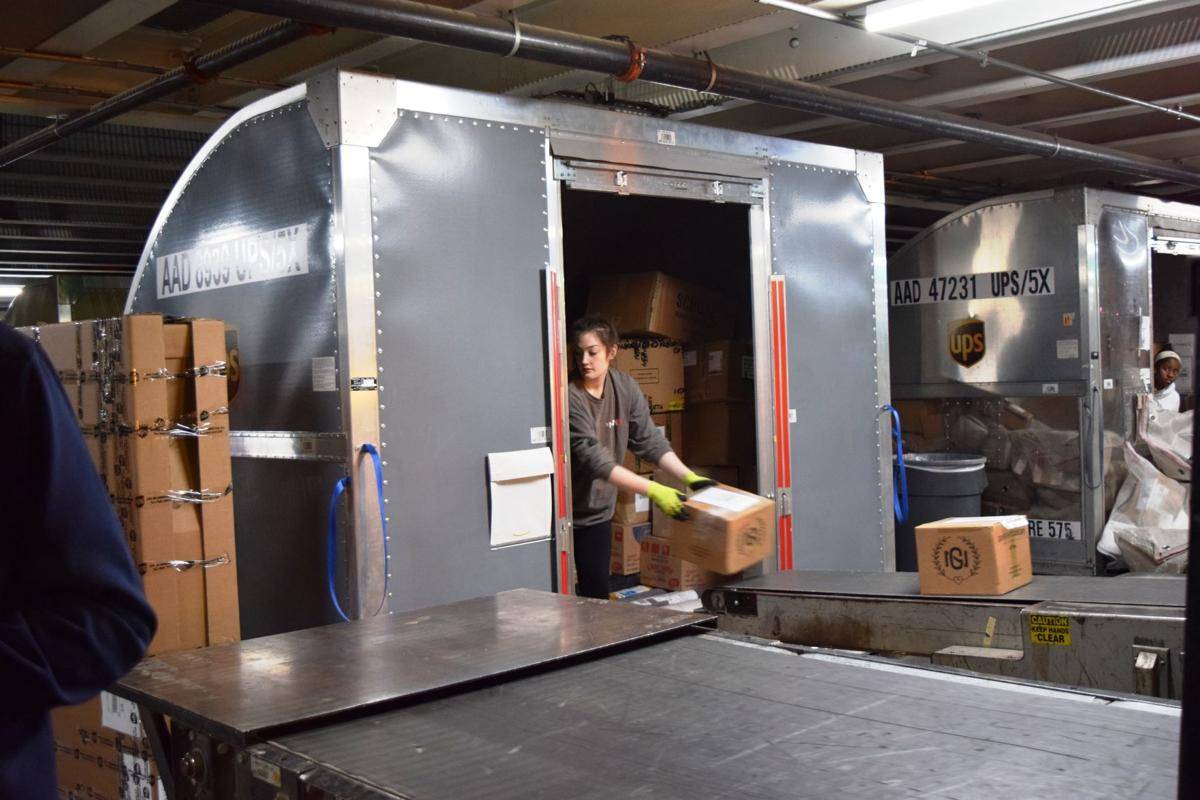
(726, 531)
(720, 433)
(974, 555)
(632, 509)
(720, 370)
(102, 751)
(662, 568)
(671, 427)
(657, 366)
(626, 547)
(656, 304)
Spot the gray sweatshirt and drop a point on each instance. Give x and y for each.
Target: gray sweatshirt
(593, 497)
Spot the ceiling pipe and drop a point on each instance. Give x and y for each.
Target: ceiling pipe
(628, 62)
(200, 70)
(125, 66)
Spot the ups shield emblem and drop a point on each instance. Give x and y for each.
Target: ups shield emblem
(967, 341)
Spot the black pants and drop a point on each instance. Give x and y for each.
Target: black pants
(593, 554)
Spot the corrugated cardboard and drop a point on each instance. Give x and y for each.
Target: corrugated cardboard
(974, 555)
(726, 531)
(632, 509)
(671, 426)
(656, 304)
(719, 433)
(97, 760)
(720, 370)
(662, 568)
(657, 366)
(626, 547)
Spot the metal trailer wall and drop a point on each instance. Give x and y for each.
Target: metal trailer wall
(424, 316)
(1088, 339)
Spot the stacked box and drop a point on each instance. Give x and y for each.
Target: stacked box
(663, 569)
(656, 304)
(626, 547)
(671, 427)
(151, 401)
(657, 366)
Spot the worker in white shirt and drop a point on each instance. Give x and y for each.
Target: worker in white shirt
(1166, 370)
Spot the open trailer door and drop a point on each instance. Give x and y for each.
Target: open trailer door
(828, 322)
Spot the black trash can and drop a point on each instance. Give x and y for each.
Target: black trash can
(940, 485)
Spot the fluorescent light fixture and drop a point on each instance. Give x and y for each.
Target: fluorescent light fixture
(799, 8)
(891, 14)
(10, 289)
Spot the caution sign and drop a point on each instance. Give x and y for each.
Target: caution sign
(1050, 629)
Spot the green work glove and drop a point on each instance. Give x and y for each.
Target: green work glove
(696, 482)
(669, 501)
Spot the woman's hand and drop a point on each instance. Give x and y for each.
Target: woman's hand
(668, 500)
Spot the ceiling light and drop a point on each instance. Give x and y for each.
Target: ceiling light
(10, 290)
(890, 14)
(799, 8)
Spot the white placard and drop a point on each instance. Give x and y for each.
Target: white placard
(520, 492)
(1067, 529)
(1024, 282)
(723, 498)
(120, 715)
(1145, 334)
(281, 253)
(641, 503)
(1068, 348)
(539, 435)
(716, 362)
(324, 374)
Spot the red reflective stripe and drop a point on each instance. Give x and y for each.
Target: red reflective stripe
(783, 435)
(564, 574)
(556, 334)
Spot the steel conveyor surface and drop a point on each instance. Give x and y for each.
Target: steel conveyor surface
(1131, 591)
(712, 717)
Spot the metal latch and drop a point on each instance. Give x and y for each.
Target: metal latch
(783, 499)
(1150, 671)
(363, 384)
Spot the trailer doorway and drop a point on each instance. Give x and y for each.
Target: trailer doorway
(703, 243)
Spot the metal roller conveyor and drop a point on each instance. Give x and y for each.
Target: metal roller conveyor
(1118, 634)
(534, 695)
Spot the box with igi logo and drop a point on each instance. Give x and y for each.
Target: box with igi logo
(974, 555)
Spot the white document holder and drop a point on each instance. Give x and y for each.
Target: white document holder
(521, 495)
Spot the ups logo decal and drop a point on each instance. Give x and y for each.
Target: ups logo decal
(967, 341)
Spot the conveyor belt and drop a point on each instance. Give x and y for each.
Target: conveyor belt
(240, 693)
(1149, 591)
(708, 717)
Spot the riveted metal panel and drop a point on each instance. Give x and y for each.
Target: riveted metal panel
(823, 238)
(266, 172)
(460, 216)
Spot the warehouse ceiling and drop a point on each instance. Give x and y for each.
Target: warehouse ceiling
(86, 203)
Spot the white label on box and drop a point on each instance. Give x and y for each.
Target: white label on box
(716, 362)
(1049, 388)
(539, 435)
(281, 253)
(641, 503)
(324, 374)
(267, 773)
(1068, 348)
(1067, 529)
(723, 498)
(1023, 282)
(120, 715)
(689, 358)
(137, 784)
(748, 367)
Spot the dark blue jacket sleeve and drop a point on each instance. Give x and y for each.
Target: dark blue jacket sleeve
(73, 617)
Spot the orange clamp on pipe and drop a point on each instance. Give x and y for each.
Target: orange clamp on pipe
(637, 63)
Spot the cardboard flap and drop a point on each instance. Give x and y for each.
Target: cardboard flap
(517, 465)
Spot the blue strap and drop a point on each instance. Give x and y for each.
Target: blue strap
(331, 540)
(900, 487)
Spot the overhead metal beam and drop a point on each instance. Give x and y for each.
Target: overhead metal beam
(500, 37)
(202, 68)
(79, 201)
(62, 223)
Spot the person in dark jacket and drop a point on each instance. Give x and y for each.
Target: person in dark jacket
(73, 617)
(609, 414)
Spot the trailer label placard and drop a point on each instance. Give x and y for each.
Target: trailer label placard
(1050, 629)
(1067, 529)
(1027, 282)
(281, 253)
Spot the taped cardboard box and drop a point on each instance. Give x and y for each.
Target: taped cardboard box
(974, 555)
(656, 304)
(664, 569)
(657, 366)
(626, 547)
(631, 509)
(102, 751)
(726, 529)
(720, 370)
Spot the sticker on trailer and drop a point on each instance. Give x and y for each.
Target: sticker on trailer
(281, 253)
(1050, 629)
(1029, 282)
(1065, 529)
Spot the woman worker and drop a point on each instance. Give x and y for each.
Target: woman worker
(608, 414)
